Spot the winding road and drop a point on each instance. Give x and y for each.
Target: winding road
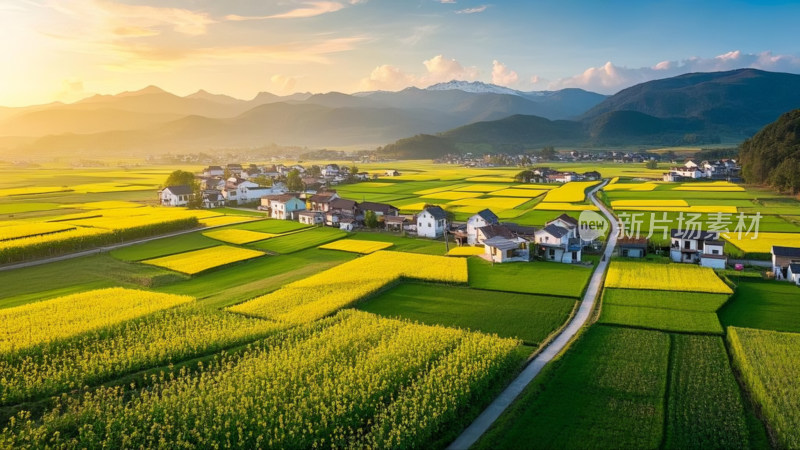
(482, 423)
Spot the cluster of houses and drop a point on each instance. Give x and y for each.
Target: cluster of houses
(559, 240)
(724, 169)
(234, 184)
(527, 159)
(548, 175)
(327, 209)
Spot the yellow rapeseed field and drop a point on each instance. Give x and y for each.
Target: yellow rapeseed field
(201, 260)
(564, 207)
(647, 186)
(109, 204)
(545, 187)
(493, 203)
(620, 203)
(690, 209)
(763, 242)
(76, 233)
(341, 286)
(235, 236)
(466, 251)
(572, 192)
(664, 277)
(356, 246)
(452, 195)
(21, 230)
(35, 323)
(225, 220)
(526, 193)
(481, 188)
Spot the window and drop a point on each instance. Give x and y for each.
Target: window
(687, 245)
(715, 252)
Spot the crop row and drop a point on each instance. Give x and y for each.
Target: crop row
(341, 286)
(154, 340)
(354, 380)
(45, 321)
(197, 261)
(667, 277)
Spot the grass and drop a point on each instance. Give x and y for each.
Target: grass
(231, 285)
(405, 244)
(686, 301)
(236, 236)
(661, 319)
(768, 305)
(528, 317)
(163, 247)
(300, 241)
(606, 391)
(356, 246)
(77, 275)
(705, 408)
(273, 226)
(532, 278)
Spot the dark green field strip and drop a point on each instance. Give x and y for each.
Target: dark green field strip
(270, 226)
(259, 276)
(704, 407)
(607, 391)
(686, 301)
(300, 241)
(163, 247)
(539, 277)
(531, 318)
(661, 319)
(769, 305)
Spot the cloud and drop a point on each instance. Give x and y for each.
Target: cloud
(107, 16)
(438, 69)
(312, 9)
(610, 78)
(447, 1)
(71, 90)
(418, 34)
(502, 75)
(478, 9)
(283, 83)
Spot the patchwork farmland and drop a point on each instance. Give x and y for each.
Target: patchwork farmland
(372, 338)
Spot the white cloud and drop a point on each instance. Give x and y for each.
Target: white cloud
(502, 75)
(71, 90)
(418, 34)
(610, 78)
(438, 69)
(284, 84)
(447, 1)
(478, 9)
(310, 10)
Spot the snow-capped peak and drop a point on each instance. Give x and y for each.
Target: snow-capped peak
(475, 87)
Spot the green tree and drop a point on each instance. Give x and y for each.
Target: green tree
(371, 219)
(548, 153)
(180, 178)
(524, 177)
(293, 181)
(651, 164)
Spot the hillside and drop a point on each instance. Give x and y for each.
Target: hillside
(737, 103)
(772, 156)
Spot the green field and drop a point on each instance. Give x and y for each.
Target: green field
(300, 241)
(405, 244)
(661, 319)
(704, 407)
(528, 317)
(270, 226)
(606, 391)
(685, 301)
(532, 278)
(163, 247)
(770, 305)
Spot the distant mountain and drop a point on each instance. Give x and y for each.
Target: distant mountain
(220, 98)
(517, 133)
(475, 87)
(735, 103)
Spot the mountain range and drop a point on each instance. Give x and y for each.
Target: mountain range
(728, 106)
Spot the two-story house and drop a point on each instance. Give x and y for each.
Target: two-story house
(481, 219)
(698, 246)
(431, 222)
(175, 195)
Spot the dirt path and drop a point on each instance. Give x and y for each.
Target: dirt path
(481, 424)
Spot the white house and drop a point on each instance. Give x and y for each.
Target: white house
(481, 219)
(212, 198)
(713, 254)
(392, 173)
(554, 243)
(347, 224)
(310, 217)
(698, 246)
(285, 206)
(568, 222)
(500, 249)
(431, 222)
(213, 171)
(782, 258)
(793, 273)
(330, 171)
(175, 195)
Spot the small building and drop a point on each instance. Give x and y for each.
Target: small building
(213, 171)
(284, 206)
(431, 222)
(175, 195)
(793, 273)
(347, 224)
(690, 246)
(481, 219)
(395, 223)
(212, 198)
(782, 258)
(630, 247)
(321, 201)
(392, 173)
(344, 207)
(310, 217)
(381, 210)
(500, 249)
(554, 243)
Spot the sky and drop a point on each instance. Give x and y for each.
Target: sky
(65, 50)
